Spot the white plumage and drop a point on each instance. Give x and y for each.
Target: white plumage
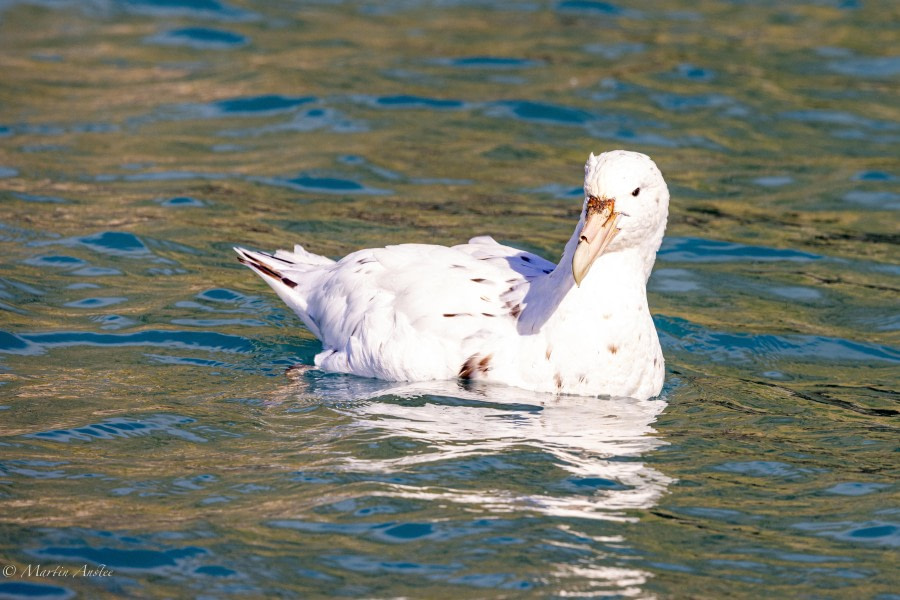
(482, 310)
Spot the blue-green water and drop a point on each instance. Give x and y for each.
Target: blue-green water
(150, 420)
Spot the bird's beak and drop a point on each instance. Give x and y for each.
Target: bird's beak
(599, 230)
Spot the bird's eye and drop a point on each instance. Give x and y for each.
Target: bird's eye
(636, 192)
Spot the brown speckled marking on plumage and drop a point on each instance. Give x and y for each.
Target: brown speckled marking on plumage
(654, 362)
(457, 315)
(612, 348)
(467, 369)
(606, 316)
(515, 311)
(288, 282)
(548, 352)
(479, 280)
(475, 365)
(265, 269)
(601, 206)
(558, 379)
(582, 378)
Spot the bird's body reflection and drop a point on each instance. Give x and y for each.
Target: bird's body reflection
(596, 443)
(452, 481)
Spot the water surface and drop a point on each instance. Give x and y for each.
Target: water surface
(151, 420)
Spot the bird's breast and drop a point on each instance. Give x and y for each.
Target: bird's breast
(607, 353)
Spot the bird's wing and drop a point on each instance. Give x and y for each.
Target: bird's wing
(414, 311)
(405, 312)
(525, 266)
(485, 247)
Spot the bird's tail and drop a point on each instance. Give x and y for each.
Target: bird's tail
(287, 272)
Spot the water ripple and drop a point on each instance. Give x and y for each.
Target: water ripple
(875, 67)
(95, 302)
(183, 201)
(323, 184)
(120, 559)
(122, 427)
(113, 243)
(597, 7)
(879, 533)
(541, 112)
(700, 250)
(199, 38)
(489, 62)
(18, 590)
(197, 9)
(30, 343)
(682, 335)
(407, 101)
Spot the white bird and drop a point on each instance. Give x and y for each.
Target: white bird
(485, 311)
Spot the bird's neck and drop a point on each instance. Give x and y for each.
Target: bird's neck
(617, 278)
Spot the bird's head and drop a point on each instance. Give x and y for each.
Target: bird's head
(626, 205)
